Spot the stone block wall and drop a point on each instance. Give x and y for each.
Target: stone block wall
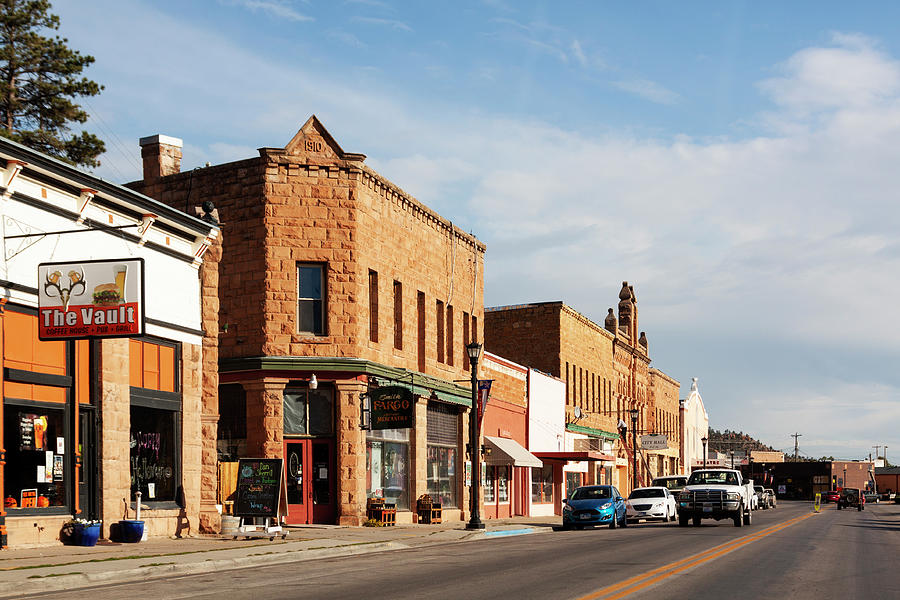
(115, 432)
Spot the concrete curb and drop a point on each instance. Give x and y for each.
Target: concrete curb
(81, 580)
(505, 532)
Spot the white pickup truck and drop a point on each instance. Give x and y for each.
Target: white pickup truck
(716, 494)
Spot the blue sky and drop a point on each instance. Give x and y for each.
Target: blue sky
(736, 162)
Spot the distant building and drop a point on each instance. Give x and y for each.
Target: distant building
(694, 428)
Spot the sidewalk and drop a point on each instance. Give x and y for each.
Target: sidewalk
(51, 568)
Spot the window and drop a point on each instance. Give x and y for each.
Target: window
(542, 484)
(439, 318)
(442, 441)
(398, 315)
(154, 459)
(497, 488)
(450, 346)
(573, 482)
(387, 466)
(373, 306)
(310, 298)
(232, 430)
(420, 314)
(36, 473)
(466, 340)
(308, 412)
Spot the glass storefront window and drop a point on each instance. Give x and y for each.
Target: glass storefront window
(442, 474)
(497, 488)
(542, 484)
(154, 436)
(489, 497)
(387, 466)
(503, 484)
(35, 474)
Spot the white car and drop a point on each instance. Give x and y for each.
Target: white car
(650, 504)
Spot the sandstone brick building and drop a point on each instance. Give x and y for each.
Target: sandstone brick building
(607, 374)
(334, 283)
(86, 424)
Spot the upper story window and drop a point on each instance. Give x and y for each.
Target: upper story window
(311, 298)
(373, 305)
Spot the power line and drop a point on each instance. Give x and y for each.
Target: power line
(796, 437)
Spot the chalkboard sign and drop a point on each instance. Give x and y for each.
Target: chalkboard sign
(258, 487)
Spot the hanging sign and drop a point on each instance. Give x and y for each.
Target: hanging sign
(91, 299)
(392, 407)
(654, 442)
(484, 394)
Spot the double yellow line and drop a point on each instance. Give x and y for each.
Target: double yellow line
(639, 582)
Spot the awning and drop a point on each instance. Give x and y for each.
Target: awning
(505, 451)
(575, 456)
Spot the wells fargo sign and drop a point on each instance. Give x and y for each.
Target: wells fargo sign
(91, 298)
(392, 407)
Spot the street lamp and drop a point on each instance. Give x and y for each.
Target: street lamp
(634, 475)
(845, 477)
(704, 439)
(473, 350)
(732, 458)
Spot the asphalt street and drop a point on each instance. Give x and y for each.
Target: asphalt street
(788, 552)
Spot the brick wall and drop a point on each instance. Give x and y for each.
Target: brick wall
(505, 413)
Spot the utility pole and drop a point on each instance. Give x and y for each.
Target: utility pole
(796, 437)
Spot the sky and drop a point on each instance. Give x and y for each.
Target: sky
(736, 162)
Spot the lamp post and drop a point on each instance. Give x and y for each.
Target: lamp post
(634, 473)
(704, 439)
(844, 484)
(473, 350)
(732, 458)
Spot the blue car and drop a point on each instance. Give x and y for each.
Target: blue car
(594, 505)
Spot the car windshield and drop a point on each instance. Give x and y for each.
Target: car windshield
(592, 493)
(677, 482)
(719, 477)
(647, 494)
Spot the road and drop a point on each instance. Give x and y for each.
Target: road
(788, 552)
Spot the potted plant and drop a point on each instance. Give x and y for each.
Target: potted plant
(81, 532)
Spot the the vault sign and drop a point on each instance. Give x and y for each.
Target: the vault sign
(91, 299)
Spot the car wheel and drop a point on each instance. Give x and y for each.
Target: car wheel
(748, 518)
(624, 522)
(839, 506)
(579, 527)
(683, 520)
(738, 517)
(860, 507)
(696, 520)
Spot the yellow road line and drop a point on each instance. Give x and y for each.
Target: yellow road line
(643, 580)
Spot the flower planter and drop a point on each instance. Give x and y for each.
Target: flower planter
(86, 535)
(131, 531)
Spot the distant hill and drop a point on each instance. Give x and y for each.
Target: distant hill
(723, 441)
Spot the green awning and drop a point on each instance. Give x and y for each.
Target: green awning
(590, 431)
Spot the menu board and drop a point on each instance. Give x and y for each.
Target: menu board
(258, 487)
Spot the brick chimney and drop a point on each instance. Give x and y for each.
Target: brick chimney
(162, 156)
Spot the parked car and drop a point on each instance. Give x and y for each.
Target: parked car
(851, 497)
(594, 505)
(871, 496)
(761, 500)
(830, 496)
(650, 504)
(770, 494)
(673, 483)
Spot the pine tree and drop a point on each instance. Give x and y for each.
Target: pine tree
(39, 78)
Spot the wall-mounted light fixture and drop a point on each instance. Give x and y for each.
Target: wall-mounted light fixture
(313, 382)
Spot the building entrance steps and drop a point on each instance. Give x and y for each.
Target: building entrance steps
(29, 571)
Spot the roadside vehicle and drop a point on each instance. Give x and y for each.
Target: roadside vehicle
(761, 500)
(830, 496)
(851, 497)
(594, 505)
(716, 494)
(673, 483)
(770, 494)
(650, 504)
(871, 496)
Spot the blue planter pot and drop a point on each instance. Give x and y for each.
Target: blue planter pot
(131, 531)
(87, 535)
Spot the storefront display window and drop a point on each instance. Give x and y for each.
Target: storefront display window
(154, 466)
(35, 475)
(503, 484)
(542, 484)
(387, 466)
(489, 496)
(442, 474)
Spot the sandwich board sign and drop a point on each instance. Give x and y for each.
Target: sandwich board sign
(91, 299)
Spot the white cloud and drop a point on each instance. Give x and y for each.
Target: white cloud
(648, 90)
(392, 23)
(274, 8)
(578, 53)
